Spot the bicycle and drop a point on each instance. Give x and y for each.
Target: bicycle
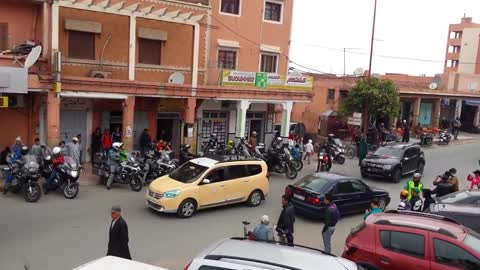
(351, 150)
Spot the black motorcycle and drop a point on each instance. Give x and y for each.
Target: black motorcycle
(67, 176)
(130, 173)
(26, 178)
(278, 160)
(338, 153)
(185, 154)
(323, 161)
(426, 139)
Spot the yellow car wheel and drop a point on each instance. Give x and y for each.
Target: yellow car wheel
(187, 208)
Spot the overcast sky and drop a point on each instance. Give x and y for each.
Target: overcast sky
(404, 28)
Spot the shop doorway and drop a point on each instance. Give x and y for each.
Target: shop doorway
(255, 122)
(73, 123)
(169, 128)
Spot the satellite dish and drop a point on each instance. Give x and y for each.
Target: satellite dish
(433, 86)
(33, 56)
(358, 71)
(437, 79)
(176, 78)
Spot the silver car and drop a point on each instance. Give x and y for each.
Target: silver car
(240, 254)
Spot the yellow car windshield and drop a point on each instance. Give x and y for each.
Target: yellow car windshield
(188, 172)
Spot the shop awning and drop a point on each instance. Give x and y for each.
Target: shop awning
(328, 113)
(472, 102)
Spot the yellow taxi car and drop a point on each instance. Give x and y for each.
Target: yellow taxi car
(204, 183)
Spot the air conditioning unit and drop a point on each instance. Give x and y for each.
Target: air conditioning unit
(16, 101)
(100, 74)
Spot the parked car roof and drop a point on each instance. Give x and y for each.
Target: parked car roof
(419, 220)
(457, 208)
(112, 262)
(399, 145)
(460, 196)
(291, 257)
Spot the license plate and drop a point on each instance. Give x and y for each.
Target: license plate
(300, 197)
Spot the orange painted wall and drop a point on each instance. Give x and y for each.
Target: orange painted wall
(24, 21)
(249, 24)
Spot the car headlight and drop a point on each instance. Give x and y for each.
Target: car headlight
(387, 167)
(74, 173)
(171, 193)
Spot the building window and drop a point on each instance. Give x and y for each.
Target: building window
(273, 11)
(227, 59)
(268, 63)
(81, 45)
(149, 51)
(230, 6)
(331, 94)
(3, 36)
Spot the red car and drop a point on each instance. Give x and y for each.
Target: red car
(399, 240)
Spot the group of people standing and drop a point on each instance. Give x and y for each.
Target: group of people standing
(104, 141)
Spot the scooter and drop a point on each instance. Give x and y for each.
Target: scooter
(323, 162)
(444, 137)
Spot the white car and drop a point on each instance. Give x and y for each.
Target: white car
(241, 254)
(116, 263)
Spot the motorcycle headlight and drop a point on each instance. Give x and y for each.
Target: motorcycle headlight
(387, 167)
(341, 150)
(171, 193)
(74, 173)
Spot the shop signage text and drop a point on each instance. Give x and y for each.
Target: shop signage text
(266, 80)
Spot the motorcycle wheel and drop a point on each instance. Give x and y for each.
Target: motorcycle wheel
(291, 173)
(298, 164)
(32, 192)
(71, 191)
(136, 183)
(341, 160)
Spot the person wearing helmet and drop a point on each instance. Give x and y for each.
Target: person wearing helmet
(114, 158)
(263, 231)
(415, 182)
(57, 159)
(416, 202)
(404, 204)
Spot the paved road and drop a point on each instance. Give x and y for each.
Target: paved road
(56, 233)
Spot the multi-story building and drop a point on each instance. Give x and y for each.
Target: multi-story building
(182, 69)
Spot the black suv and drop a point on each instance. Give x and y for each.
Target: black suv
(393, 161)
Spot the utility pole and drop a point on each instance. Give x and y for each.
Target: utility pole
(365, 110)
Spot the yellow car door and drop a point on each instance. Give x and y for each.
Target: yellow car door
(212, 189)
(239, 184)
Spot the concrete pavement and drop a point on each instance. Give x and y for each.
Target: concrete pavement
(56, 233)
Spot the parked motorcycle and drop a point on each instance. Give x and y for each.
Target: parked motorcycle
(323, 161)
(67, 176)
(444, 137)
(26, 178)
(153, 167)
(278, 160)
(185, 154)
(426, 139)
(338, 153)
(130, 173)
(297, 159)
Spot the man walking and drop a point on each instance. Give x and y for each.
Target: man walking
(118, 235)
(74, 150)
(406, 132)
(308, 151)
(286, 220)
(332, 215)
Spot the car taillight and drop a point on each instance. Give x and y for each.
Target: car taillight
(350, 248)
(288, 191)
(188, 265)
(314, 200)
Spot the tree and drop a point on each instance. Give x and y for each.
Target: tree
(375, 98)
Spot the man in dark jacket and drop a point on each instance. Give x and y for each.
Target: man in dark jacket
(406, 132)
(118, 235)
(145, 141)
(286, 220)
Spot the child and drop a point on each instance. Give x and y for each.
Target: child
(308, 150)
(475, 179)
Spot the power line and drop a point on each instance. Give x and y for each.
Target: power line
(380, 55)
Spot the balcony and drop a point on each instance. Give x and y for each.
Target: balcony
(455, 42)
(453, 56)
